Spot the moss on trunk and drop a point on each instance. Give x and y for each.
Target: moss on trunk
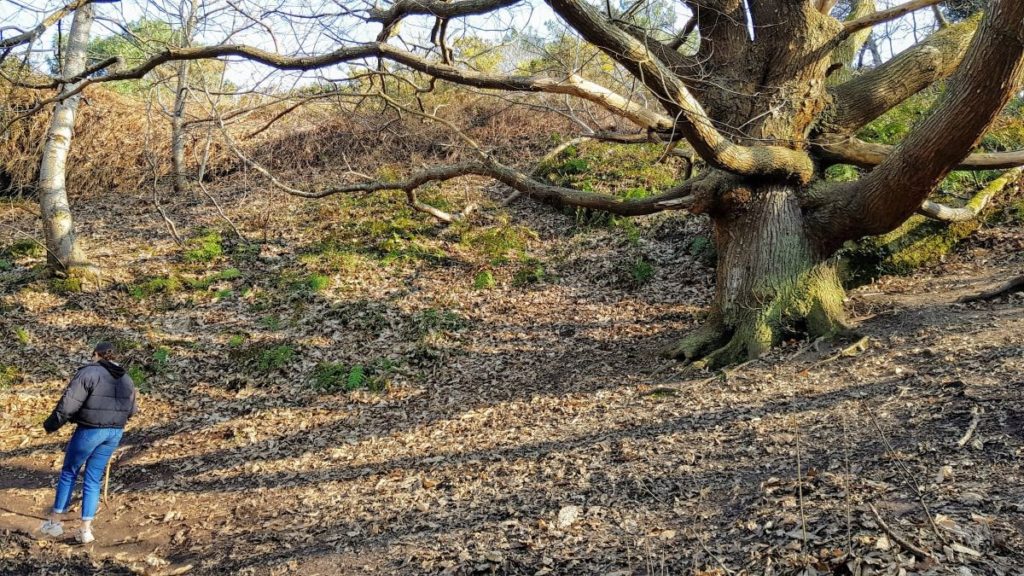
(920, 241)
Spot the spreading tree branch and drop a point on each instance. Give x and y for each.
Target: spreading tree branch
(691, 119)
(989, 76)
(863, 154)
(869, 95)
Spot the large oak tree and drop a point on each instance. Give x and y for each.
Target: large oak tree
(767, 102)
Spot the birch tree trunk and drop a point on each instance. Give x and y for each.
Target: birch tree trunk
(65, 256)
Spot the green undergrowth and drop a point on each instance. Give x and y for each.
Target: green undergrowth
(21, 248)
(626, 171)
(263, 357)
(919, 241)
(207, 246)
(330, 377)
(9, 376)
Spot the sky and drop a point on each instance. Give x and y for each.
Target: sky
(311, 35)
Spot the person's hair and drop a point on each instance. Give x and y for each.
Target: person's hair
(105, 350)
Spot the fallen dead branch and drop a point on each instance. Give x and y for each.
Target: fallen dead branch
(918, 553)
(975, 417)
(1008, 287)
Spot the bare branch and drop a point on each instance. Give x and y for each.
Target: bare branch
(574, 85)
(851, 26)
(857, 152)
(438, 8)
(30, 35)
(974, 206)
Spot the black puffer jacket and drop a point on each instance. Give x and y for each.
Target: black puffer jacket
(100, 395)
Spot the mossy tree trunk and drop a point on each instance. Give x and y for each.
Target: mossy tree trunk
(773, 281)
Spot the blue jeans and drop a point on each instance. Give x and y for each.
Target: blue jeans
(92, 447)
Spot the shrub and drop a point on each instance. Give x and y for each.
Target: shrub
(5, 265)
(638, 272)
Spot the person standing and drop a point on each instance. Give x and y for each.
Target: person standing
(100, 399)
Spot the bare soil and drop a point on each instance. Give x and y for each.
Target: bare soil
(540, 435)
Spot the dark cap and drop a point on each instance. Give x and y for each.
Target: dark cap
(103, 348)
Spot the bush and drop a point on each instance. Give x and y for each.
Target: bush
(138, 376)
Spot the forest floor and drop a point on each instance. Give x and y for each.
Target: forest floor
(431, 400)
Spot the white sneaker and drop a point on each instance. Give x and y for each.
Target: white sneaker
(84, 537)
(51, 528)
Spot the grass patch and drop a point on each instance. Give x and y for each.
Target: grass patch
(155, 285)
(271, 322)
(499, 244)
(9, 376)
(22, 335)
(138, 376)
(222, 276)
(24, 248)
(5, 265)
(69, 285)
(484, 280)
(531, 271)
(236, 340)
(205, 248)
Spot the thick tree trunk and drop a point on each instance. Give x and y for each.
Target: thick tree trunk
(64, 255)
(772, 282)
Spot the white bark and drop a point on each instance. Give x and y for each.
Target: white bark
(63, 252)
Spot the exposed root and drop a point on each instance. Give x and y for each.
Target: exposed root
(698, 342)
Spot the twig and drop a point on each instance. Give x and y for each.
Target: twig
(975, 417)
(6, 509)
(918, 553)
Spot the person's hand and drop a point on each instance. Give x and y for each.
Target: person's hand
(51, 424)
